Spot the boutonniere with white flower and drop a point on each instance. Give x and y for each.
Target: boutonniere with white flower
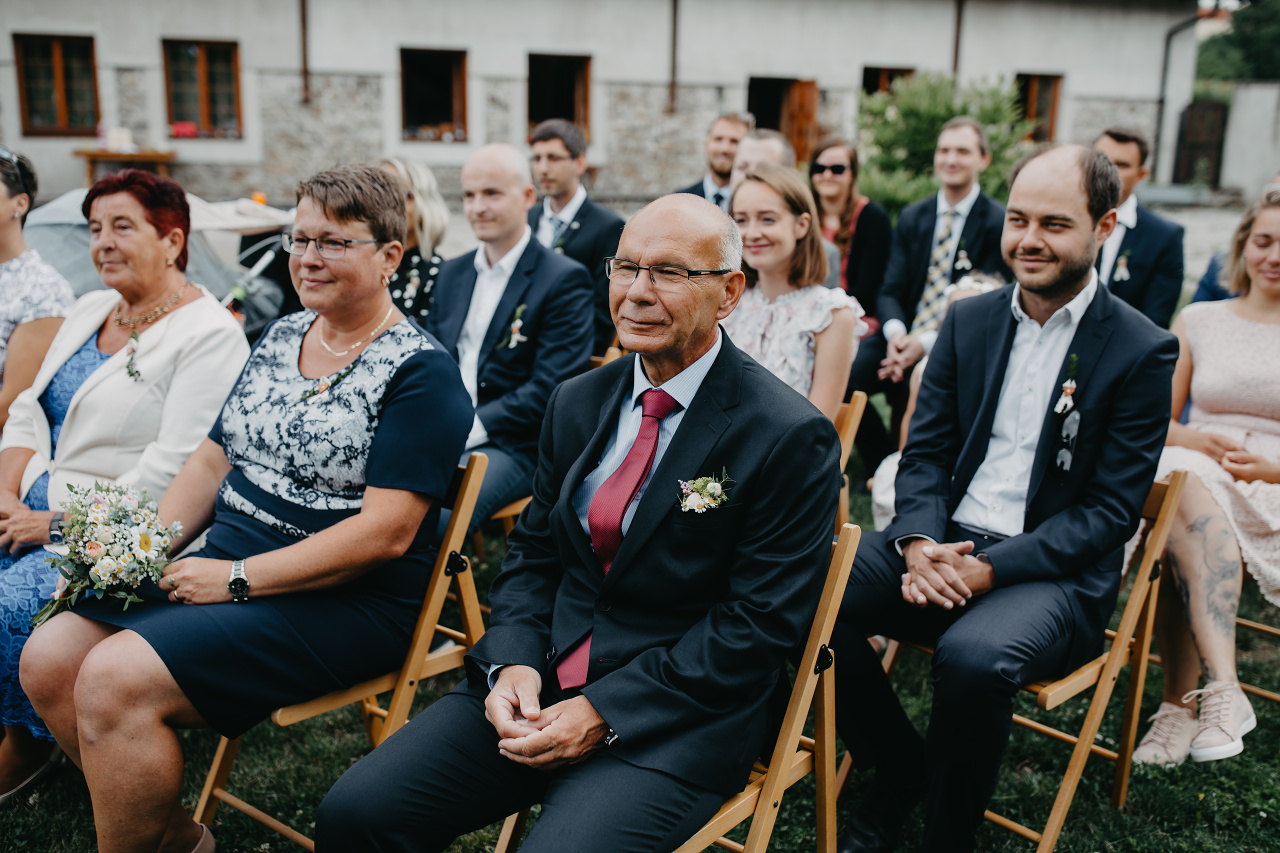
(962, 263)
(129, 366)
(513, 337)
(1066, 402)
(704, 493)
(1122, 267)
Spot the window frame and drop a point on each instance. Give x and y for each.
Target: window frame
(1050, 123)
(59, 86)
(458, 91)
(205, 125)
(886, 75)
(581, 90)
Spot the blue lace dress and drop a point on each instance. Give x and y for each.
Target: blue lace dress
(397, 418)
(26, 578)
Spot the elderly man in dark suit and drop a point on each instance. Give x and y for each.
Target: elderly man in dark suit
(1142, 260)
(516, 316)
(568, 222)
(1034, 442)
(936, 242)
(669, 563)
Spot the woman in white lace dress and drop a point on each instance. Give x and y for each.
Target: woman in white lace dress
(34, 297)
(804, 333)
(1230, 510)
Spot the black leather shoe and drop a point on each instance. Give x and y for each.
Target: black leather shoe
(866, 835)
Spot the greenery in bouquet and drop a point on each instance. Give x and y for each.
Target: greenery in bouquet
(113, 542)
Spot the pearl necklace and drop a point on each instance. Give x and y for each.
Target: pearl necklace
(152, 315)
(360, 342)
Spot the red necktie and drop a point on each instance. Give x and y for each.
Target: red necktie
(609, 506)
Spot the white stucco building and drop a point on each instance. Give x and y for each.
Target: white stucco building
(222, 84)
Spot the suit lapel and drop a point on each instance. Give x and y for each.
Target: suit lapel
(578, 225)
(1087, 345)
(698, 433)
(459, 293)
(517, 284)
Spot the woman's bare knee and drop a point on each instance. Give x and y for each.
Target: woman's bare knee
(123, 678)
(53, 655)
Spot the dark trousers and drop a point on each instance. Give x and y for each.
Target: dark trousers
(984, 653)
(873, 441)
(441, 776)
(508, 478)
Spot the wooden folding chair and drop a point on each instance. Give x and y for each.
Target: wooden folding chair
(794, 755)
(848, 420)
(509, 513)
(1130, 644)
(420, 663)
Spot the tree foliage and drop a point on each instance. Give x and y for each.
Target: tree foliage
(900, 129)
(1251, 51)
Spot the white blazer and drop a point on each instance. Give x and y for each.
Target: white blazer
(128, 431)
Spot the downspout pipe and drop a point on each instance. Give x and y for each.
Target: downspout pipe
(1164, 85)
(306, 68)
(955, 48)
(675, 29)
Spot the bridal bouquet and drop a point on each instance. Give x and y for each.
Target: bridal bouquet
(113, 542)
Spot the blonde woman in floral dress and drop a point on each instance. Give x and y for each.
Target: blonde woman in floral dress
(804, 333)
(1230, 510)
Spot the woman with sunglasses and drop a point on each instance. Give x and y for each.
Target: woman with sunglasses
(858, 226)
(319, 488)
(34, 297)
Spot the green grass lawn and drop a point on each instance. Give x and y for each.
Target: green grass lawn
(1231, 805)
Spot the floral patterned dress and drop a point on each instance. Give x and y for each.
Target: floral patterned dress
(413, 281)
(780, 334)
(302, 452)
(26, 579)
(30, 290)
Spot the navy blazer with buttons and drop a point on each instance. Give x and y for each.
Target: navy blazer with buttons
(1152, 250)
(515, 382)
(1077, 522)
(693, 624)
(908, 269)
(591, 237)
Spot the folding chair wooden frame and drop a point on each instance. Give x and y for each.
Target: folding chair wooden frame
(1130, 644)
(848, 419)
(420, 663)
(794, 755)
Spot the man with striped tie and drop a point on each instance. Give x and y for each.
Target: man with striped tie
(670, 562)
(937, 240)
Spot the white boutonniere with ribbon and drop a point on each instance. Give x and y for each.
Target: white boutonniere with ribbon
(962, 264)
(704, 493)
(1066, 402)
(513, 337)
(1122, 267)
(129, 367)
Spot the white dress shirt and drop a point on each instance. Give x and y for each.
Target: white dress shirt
(491, 283)
(710, 187)
(549, 223)
(1126, 218)
(683, 387)
(893, 328)
(996, 501)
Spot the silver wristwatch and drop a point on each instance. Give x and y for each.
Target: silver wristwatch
(238, 586)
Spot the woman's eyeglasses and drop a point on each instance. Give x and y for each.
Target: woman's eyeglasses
(836, 169)
(329, 248)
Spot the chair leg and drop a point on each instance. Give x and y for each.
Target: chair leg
(1133, 701)
(508, 525)
(477, 545)
(512, 832)
(824, 761)
(890, 656)
(223, 760)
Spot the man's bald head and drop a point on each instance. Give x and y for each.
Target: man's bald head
(504, 158)
(1098, 179)
(690, 215)
(497, 192)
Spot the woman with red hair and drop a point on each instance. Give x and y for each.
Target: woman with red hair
(130, 385)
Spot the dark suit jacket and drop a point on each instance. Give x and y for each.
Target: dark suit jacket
(1154, 260)
(694, 189)
(699, 612)
(591, 237)
(908, 269)
(514, 383)
(1078, 522)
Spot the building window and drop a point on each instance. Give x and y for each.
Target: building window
(203, 83)
(788, 106)
(1038, 99)
(57, 85)
(433, 95)
(880, 79)
(560, 87)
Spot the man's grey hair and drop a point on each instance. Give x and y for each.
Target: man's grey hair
(730, 246)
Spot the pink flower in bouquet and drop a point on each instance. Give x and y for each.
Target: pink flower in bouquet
(94, 550)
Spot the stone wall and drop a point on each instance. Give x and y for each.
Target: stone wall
(131, 104)
(1091, 116)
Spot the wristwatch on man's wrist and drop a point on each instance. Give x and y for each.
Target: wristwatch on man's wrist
(238, 586)
(55, 529)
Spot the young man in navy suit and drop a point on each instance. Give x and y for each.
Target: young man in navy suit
(721, 145)
(1142, 260)
(1040, 420)
(637, 635)
(516, 316)
(936, 242)
(568, 222)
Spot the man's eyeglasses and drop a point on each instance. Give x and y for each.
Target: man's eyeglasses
(10, 155)
(329, 248)
(836, 169)
(664, 276)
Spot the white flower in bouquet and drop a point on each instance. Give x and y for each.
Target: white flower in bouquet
(146, 544)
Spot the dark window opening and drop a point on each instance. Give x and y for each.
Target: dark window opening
(433, 93)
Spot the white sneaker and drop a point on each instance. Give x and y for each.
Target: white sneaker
(1225, 718)
(1169, 738)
